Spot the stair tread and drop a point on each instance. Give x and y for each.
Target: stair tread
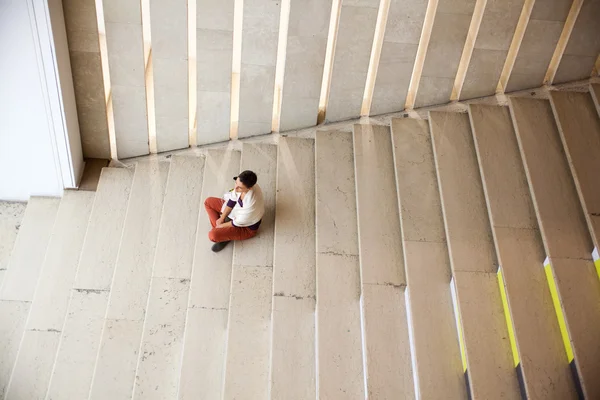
(339, 355)
(377, 205)
(203, 361)
(13, 316)
(249, 334)
(248, 340)
(472, 258)
(105, 228)
(159, 358)
(564, 231)
(294, 273)
(520, 254)
(435, 343)
(386, 349)
(25, 265)
(579, 126)
(11, 215)
(117, 358)
(80, 340)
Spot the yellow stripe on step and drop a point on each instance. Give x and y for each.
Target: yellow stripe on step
(596, 257)
(461, 340)
(558, 308)
(509, 323)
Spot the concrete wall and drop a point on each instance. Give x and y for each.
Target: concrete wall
(40, 151)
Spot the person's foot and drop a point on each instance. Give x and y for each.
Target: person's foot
(217, 247)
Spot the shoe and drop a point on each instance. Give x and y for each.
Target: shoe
(217, 247)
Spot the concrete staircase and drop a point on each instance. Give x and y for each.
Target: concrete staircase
(446, 258)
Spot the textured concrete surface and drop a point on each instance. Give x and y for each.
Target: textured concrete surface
(202, 365)
(398, 54)
(435, 342)
(583, 46)
(465, 215)
(249, 333)
(60, 264)
(539, 42)
(25, 265)
(84, 49)
(214, 44)
(560, 217)
(520, 253)
(294, 276)
(491, 47)
(117, 357)
(472, 257)
(304, 62)
(257, 76)
(351, 59)
(448, 35)
(105, 228)
(179, 219)
(562, 223)
(258, 251)
(377, 204)
(579, 127)
(11, 216)
(123, 21)
(32, 369)
(339, 358)
(388, 361)
(159, 358)
(13, 315)
(80, 339)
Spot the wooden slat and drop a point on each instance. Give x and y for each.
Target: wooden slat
(473, 259)
(304, 63)
(436, 351)
(566, 239)
(595, 92)
(583, 46)
(398, 55)
(168, 23)
(214, 52)
(351, 59)
(520, 254)
(257, 76)
(539, 42)
(491, 48)
(448, 35)
(127, 75)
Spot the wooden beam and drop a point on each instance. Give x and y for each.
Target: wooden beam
(238, 16)
(334, 21)
(284, 22)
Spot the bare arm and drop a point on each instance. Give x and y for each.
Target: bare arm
(225, 225)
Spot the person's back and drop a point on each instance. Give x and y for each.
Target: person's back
(237, 216)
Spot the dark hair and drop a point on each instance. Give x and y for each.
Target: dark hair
(248, 178)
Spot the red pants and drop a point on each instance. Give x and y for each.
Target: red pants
(213, 209)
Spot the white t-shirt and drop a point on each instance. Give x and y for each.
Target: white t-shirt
(246, 212)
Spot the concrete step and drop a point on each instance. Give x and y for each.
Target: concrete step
(249, 326)
(579, 127)
(33, 367)
(21, 278)
(204, 345)
(159, 359)
(487, 350)
(292, 373)
(11, 215)
(80, 336)
(386, 350)
(567, 242)
(595, 92)
(339, 342)
(435, 347)
(117, 356)
(538, 351)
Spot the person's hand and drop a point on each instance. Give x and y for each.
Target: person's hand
(220, 226)
(220, 222)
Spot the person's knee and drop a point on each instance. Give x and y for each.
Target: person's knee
(212, 236)
(207, 202)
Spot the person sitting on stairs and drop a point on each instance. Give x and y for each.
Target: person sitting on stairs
(236, 216)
